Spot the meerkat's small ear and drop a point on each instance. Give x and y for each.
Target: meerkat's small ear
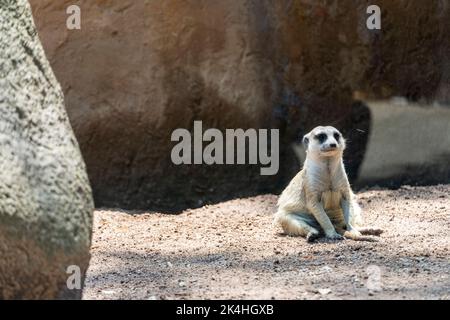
(305, 141)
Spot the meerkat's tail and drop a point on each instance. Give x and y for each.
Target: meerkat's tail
(370, 231)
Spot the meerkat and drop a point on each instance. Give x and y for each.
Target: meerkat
(319, 200)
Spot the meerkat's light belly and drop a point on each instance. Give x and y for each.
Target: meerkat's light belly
(331, 201)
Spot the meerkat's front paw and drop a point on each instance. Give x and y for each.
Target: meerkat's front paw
(312, 235)
(334, 236)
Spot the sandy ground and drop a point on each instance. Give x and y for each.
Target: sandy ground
(231, 251)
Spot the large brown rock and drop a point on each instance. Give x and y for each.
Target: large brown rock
(410, 57)
(45, 198)
(137, 70)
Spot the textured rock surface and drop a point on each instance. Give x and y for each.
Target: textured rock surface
(137, 70)
(45, 197)
(411, 56)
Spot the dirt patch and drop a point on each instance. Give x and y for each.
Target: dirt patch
(232, 251)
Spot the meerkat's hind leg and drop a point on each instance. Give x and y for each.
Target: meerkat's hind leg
(352, 236)
(295, 225)
(370, 231)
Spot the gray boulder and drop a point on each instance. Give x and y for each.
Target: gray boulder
(45, 198)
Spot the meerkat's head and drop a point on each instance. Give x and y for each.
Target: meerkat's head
(324, 142)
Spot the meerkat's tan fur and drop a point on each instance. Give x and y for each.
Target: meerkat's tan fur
(319, 199)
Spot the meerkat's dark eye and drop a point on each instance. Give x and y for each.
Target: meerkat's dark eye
(321, 137)
(337, 136)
